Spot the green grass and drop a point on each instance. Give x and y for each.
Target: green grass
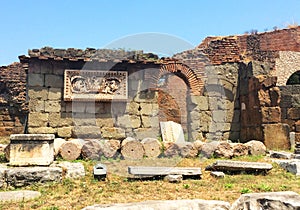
(76, 194)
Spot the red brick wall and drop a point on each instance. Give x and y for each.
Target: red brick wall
(13, 107)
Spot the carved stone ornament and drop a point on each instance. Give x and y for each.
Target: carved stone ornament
(86, 85)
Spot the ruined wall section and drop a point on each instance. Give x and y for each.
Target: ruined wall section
(290, 106)
(13, 109)
(49, 113)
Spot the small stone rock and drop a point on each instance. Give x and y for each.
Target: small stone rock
(292, 166)
(217, 174)
(256, 147)
(208, 149)
(173, 178)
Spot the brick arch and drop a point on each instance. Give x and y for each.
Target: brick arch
(186, 73)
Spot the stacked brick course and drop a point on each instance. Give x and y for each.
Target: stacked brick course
(13, 108)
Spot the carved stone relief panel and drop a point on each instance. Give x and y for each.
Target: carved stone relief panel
(86, 85)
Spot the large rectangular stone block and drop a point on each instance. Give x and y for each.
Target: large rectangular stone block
(276, 136)
(271, 114)
(31, 149)
(294, 113)
(35, 80)
(54, 81)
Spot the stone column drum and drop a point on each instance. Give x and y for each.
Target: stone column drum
(31, 149)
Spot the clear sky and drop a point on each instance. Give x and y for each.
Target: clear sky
(29, 24)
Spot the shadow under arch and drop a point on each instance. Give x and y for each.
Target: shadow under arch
(294, 79)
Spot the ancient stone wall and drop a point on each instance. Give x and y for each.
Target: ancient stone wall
(290, 106)
(13, 109)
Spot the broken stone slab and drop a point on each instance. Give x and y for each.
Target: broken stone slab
(217, 174)
(20, 195)
(272, 200)
(171, 132)
(239, 166)
(31, 149)
(195, 204)
(280, 155)
(71, 170)
(163, 171)
(23, 176)
(292, 166)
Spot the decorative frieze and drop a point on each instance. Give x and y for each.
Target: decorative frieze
(85, 85)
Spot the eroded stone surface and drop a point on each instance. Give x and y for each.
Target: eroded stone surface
(239, 166)
(31, 149)
(171, 132)
(292, 166)
(23, 176)
(273, 200)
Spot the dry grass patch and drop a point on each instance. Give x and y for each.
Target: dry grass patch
(118, 188)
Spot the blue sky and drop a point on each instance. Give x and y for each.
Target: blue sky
(97, 23)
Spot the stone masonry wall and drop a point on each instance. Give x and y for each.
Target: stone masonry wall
(290, 106)
(13, 108)
(49, 113)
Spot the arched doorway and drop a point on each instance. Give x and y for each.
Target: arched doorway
(176, 82)
(294, 79)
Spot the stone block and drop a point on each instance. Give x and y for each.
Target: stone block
(46, 67)
(271, 114)
(142, 133)
(201, 102)
(65, 132)
(42, 130)
(56, 119)
(256, 147)
(36, 105)
(294, 113)
(104, 121)
(54, 81)
(31, 149)
(150, 122)
(52, 106)
(35, 80)
(129, 121)
(296, 101)
(239, 166)
(276, 136)
(54, 94)
(86, 132)
(36, 119)
(23, 176)
(149, 109)
(292, 166)
(39, 93)
(219, 116)
(75, 107)
(72, 170)
(113, 133)
(133, 108)
(269, 200)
